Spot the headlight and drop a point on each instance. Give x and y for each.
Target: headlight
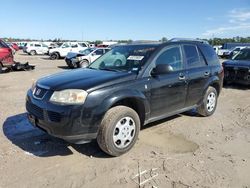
(69, 96)
(79, 58)
(33, 86)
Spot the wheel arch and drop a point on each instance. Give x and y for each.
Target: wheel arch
(214, 82)
(133, 99)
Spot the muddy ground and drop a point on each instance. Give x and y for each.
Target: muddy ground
(179, 152)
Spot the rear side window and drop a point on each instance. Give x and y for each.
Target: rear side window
(106, 50)
(37, 45)
(209, 54)
(99, 52)
(192, 56)
(83, 44)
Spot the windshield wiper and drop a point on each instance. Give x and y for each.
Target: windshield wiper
(109, 69)
(91, 68)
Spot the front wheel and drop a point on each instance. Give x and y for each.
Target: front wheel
(83, 63)
(119, 130)
(209, 103)
(54, 56)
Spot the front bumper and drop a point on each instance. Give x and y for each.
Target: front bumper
(70, 122)
(237, 75)
(71, 62)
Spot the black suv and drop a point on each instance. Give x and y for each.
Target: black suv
(125, 89)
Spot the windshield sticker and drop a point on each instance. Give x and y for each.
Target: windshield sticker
(135, 58)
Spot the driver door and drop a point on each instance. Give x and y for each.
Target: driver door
(168, 91)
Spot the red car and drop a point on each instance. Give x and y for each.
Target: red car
(6, 56)
(15, 46)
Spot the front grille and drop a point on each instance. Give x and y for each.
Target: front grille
(236, 73)
(35, 110)
(54, 116)
(39, 92)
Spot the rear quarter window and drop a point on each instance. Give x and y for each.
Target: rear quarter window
(209, 54)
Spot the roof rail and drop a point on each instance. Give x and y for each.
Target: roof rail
(188, 39)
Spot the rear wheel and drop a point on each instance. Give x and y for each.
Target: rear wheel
(54, 56)
(32, 52)
(119, 130)
(209, 103)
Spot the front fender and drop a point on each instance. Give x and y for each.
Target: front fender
(104, 105)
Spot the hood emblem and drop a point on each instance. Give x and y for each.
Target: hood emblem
(38, 91)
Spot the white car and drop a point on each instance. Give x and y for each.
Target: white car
(233, 51)
(67, 47)
(33, 48)
(84, 57)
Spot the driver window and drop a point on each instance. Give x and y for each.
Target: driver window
(172, 57)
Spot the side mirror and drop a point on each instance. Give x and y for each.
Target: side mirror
(161, 69)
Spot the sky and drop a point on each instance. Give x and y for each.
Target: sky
(124, 19)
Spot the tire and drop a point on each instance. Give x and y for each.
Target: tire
(109, 133)
(32, 52)
(1, 70)
(84, 63)
(118, 63)
(209, 103)
(54, 56)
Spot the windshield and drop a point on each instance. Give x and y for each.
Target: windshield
(87, 51)
(242, 55)
(124, 58)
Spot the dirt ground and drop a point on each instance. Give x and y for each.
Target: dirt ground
(178, 152)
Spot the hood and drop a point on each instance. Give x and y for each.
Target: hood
(71, 55)
(86, 79)
(242, 63)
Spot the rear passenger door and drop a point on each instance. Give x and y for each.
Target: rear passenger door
(198, 73)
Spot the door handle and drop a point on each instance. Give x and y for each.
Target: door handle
(206, 73)
(182, 77)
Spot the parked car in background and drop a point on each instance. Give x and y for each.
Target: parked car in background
(84, 57)
(21, 44)
(232, 52)
(11, 47)
(15, 46)
(217, 48)
(33, 48)
(65, 48)
(237, 70)
(111, 102)
(221, 52)
(227, 47)
(102, 46)
(6, 56)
